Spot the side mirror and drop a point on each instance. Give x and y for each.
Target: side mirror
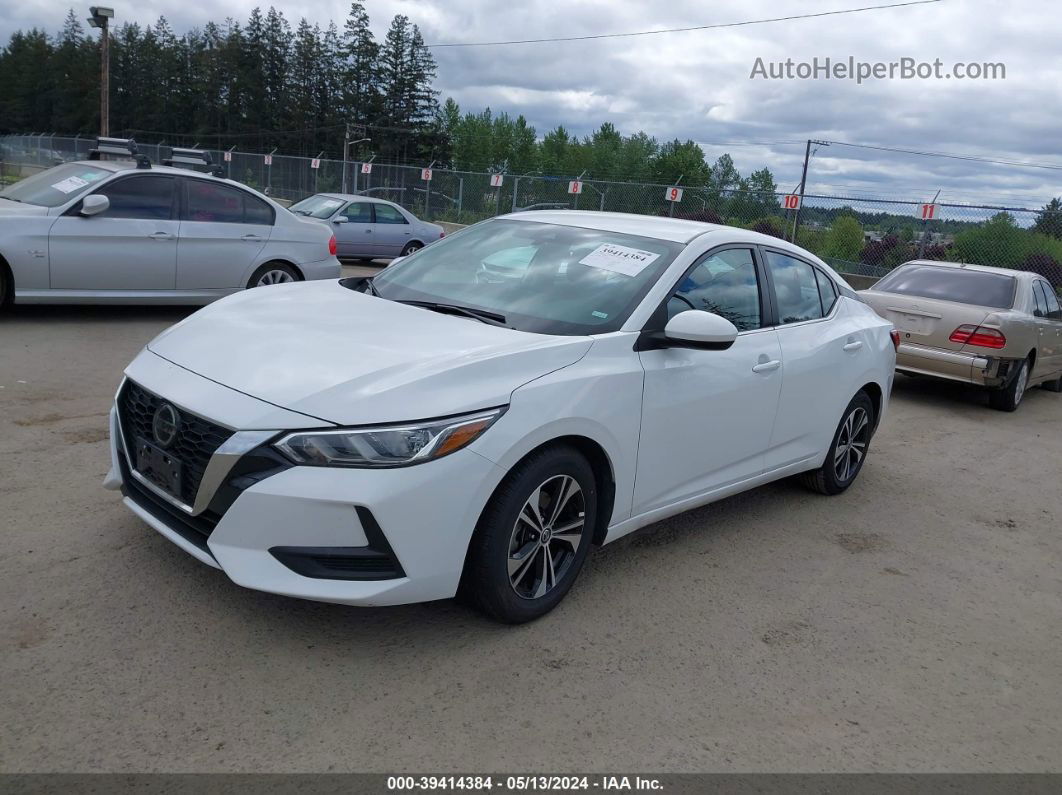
(94, 205)
(340, 219)
(696, 328)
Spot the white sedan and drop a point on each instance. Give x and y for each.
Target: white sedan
(452, 425)
(109, 232)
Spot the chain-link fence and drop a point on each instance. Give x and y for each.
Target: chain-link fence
(865, 236)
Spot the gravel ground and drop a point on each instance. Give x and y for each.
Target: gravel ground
(911, 624)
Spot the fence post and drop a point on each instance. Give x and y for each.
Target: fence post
(460, 196)
(516, 187)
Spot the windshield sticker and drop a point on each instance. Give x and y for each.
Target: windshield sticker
(619, 259)
(70, 184)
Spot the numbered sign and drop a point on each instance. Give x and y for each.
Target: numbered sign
(673, 194)
(791, 201)
(930, 211)
(269, 160)
(496, 180)
(575, 187)
(425, 174)
(228, 157)
(315, 163)
(366, 168)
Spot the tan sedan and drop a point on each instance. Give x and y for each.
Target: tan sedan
(997, 328)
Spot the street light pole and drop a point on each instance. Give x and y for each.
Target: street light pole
(100, 19)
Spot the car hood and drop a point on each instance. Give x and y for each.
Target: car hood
(349, 358)
(9, 208)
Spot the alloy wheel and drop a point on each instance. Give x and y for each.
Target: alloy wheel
(1021, 383)
(851, 444)
(275, 277)
(546, 536)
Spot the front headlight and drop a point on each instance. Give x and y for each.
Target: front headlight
(387, 445)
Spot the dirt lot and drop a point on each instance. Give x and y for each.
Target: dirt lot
(911, 624)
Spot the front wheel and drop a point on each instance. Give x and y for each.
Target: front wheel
(533, 537)
(7, 291)
(848, 452)
(273, 273)
(1009, 397)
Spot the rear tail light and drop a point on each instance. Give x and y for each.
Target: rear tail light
(978, 335)
(332, 245)
(442, 234)
(895, 339)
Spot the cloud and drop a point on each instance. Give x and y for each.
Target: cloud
(696, 85)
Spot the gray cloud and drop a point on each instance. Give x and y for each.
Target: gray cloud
(696, 85)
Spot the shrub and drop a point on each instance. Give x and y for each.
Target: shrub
(768, 225)
(1044, 265)
(706, 215)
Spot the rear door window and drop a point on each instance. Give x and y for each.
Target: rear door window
(386, 214)
(1040, 298)
(796, 288)
(1054, 310)
(223, 204)
(963, 286)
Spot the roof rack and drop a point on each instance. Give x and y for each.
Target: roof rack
(191, 158)
(120, 147)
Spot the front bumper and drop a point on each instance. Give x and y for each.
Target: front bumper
(350, 536)
(953, 365)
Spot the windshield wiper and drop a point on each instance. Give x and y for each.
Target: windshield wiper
(482, 315)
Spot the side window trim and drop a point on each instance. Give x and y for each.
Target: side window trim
(1051, 295)
(1039, 300)
(658, 319)
(774, 297)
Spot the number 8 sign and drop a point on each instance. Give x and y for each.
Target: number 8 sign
(673, 194)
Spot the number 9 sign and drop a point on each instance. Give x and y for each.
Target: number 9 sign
(673, 194)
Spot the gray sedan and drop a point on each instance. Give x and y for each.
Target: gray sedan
(368, 228)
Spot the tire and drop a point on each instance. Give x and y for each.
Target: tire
(848, 451)
(1053, 386)
(411, 246)
(7, 289)
(1008, 397)
(273, 273)
(507, 574)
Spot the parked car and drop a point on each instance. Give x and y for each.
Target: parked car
(110, 232)
(396, 439)
(367, 228)
(993, 327)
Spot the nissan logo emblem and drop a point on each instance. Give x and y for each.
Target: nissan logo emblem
(164, 425)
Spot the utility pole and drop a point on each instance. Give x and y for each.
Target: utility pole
(803, 184)
(925, 231)
(99, 19)
(346, 145)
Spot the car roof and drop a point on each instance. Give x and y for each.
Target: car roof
(971, 267)
(676, 230)
(129, 165)
(353, 197)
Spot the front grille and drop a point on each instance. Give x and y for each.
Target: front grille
(196, 441)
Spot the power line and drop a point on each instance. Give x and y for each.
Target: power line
(685, 30)
(972, 158)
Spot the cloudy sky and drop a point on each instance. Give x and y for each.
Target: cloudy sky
(697, 84)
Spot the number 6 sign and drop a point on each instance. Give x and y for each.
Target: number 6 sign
(673, 194)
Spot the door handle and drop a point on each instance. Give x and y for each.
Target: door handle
(766, 367)
(368, 231)
(853, 345)
(252, 238)
(161, 236)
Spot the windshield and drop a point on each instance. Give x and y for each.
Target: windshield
(56, 185)
(317, 206)
(979, 288)
(544, 278)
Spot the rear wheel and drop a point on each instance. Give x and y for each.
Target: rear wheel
(534, 536)
(7, 290)
(411, 246)
(849, 449)
(1009, 397)
(273, 273)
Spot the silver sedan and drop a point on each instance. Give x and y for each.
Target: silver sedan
(367, 228)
